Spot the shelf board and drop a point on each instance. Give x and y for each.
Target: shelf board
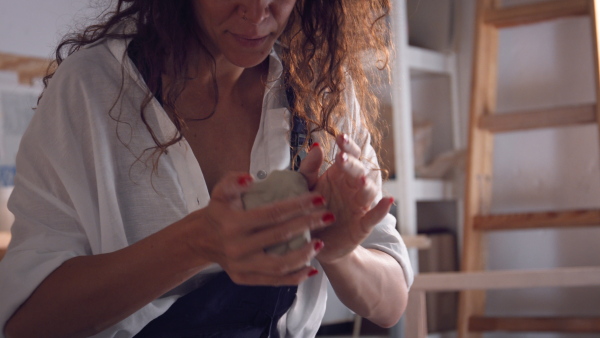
(391, 188)
(423, 60)
(423, 189)
(433, 189)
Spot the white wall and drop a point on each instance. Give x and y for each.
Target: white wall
(34, 27)
(543, 65)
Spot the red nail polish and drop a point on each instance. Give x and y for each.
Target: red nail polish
(244, 180)
(318, 201)
(319, 245)
(314, 145)
(391, 200)
(328, 218)
(313, 272)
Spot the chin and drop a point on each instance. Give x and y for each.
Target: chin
(249, 61)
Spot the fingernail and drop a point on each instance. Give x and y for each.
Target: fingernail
(328, 218)
(391, 200)
(363, 180)
(345, 138)
(319, 245)
(244, 180)
(314, 145)
(318, 201)
(313, 272)
(344, 157)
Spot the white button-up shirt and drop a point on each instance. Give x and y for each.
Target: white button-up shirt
(85, 186)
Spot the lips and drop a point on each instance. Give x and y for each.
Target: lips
(249, 41)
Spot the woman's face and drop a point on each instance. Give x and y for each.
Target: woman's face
(242, 31)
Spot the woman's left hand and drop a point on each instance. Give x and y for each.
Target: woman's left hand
(350, 191)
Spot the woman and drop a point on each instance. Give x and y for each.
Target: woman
(128, 194)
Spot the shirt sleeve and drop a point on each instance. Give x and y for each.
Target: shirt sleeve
(63, 163)
(385, 236)
(46, 231)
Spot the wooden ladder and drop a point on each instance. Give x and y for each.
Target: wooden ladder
(490, 18)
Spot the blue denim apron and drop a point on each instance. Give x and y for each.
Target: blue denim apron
(220, 308)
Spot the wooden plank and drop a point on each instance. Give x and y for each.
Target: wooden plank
(596, 48)
(417, 241)
(416, 315)
(535, 324)
(536, 12)
(507, 279)
(28, 68)
(538, 220)
(479, 161)
(536, 119)
(491, 280)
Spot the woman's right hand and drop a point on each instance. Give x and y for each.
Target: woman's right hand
(235, 238)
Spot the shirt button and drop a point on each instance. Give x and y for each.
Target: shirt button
(261, 174)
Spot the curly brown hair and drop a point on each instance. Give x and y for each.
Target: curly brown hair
(325, 44)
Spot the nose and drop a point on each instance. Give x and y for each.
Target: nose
(255, 11)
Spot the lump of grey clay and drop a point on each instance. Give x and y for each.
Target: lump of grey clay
(278, 186)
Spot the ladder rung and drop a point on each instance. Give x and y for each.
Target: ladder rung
(417, 241)
(532, 13)
(550, 324)
(538, 119)
(507, 279)
(561, 219)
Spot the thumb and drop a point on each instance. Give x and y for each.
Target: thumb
(375, 215)
(311, 165)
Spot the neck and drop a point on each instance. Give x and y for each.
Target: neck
(234, 84)
(229, 78)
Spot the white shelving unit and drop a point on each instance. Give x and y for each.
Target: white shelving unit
(413, 63)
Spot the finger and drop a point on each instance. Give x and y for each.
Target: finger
(294, 278)
(277, 265)
(366, 193)
(311, 165)
(278, 212)
(287, 231)
(347, 145)
(376, 215)
(253, 243)
(290, 262)
(231, 187)
(352, 168)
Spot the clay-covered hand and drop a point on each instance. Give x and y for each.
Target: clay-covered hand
(350, 192)
(235, 238)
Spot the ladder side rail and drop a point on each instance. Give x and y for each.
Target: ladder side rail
(479, 162)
